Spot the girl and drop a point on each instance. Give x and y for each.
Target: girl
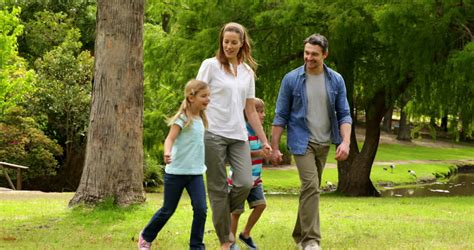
(232, 84)
(184, 158)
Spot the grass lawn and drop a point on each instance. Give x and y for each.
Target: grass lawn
(44, 222)
(397, 152)
(30, 220)
(287, 180)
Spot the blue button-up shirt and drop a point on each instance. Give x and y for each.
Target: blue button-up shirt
(292, 107)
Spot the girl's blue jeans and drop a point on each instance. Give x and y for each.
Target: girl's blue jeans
(173, 189)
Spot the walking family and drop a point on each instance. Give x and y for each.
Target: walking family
(219, 123)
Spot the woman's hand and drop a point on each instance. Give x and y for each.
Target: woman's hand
(167, 158)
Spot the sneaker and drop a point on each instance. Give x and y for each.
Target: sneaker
(248, 242)
(299, 246)
(143, 244)
(312, 246)
(234, 246)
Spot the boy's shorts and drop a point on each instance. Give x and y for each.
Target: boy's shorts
(256, 197)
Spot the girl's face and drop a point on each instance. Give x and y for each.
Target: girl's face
(261, 114)
(231, 44)
(200, 100)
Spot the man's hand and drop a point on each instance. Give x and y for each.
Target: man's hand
(276, 156)
(342, 151)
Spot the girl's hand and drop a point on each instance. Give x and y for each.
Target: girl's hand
(267, 150)
(167, 157)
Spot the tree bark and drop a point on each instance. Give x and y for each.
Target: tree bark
(354, 173)
(113, 165)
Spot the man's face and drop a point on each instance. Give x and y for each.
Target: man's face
(314, 57)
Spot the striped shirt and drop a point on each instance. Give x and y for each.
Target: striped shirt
(257, 162)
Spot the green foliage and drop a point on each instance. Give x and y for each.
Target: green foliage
(22, 142)
(44, 32)
(53, 17)
(15, 79)
(153, 174)
(461, 88)
(62, 97)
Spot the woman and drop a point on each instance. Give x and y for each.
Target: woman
(232, 84)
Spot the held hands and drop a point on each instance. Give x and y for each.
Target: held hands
(277, 157)
(267, 150)
(167, 158)
(342, 151)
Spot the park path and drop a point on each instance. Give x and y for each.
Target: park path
(387, 163)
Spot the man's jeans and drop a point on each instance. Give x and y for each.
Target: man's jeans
(310, 168)
(173, 189)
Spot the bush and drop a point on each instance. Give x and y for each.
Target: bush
(153, 174)
(22, 142)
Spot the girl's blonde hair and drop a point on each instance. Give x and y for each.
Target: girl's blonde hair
(192, 88)
(245, 52)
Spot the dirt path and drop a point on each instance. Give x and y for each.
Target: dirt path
(9, 194)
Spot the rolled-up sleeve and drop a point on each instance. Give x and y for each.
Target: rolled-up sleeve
(342, 105)
(282, 110)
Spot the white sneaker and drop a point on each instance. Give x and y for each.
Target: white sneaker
(312, 246)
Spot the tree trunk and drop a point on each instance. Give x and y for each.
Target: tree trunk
(354, 173)
(404, 128)
(387, 121)
(113, 166)
(444, 123)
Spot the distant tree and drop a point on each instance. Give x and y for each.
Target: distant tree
(114, 155)
(61, 103)
(15, 79)
(55, 15)
(21, 139)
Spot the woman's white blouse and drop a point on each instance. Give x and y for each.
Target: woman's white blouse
(229, 93)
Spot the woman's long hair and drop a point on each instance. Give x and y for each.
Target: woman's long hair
(245, 52)
(192, 88)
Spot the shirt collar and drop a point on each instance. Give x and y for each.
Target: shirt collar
(302, 71)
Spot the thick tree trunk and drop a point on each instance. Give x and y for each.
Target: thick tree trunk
(354, 173)
(114, 154)
(387, 121)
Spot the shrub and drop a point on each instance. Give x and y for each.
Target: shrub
(153, 174)
(22, 142)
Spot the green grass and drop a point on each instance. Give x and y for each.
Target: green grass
(287, 180)
(396, 152)
(362, 223)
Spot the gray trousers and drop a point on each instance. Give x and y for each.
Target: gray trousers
(237, 153)
(310, 168)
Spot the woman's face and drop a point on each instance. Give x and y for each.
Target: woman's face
(231, 44)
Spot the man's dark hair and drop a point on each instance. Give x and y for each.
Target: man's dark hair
(318, 39)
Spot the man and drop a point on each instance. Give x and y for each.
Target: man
(313, 106)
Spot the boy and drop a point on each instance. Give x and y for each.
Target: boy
(256, 197)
